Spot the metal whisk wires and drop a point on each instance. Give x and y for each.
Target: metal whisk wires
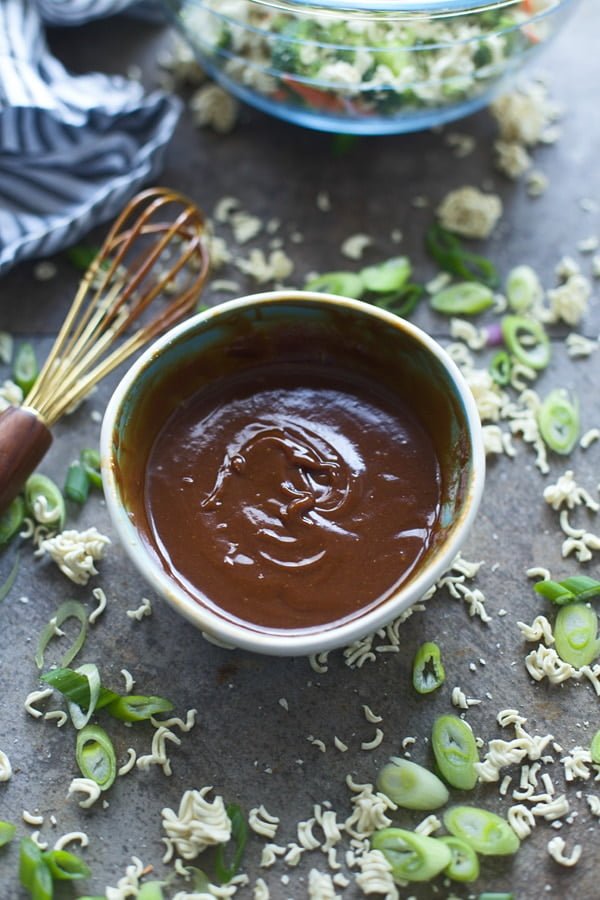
(155, 248)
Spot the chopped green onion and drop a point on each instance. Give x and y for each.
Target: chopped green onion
(501, 367)
(402, 302)
(467, 298)
(90, 460)
(580, 587)
(150, 890)
(411, 786)
(30, 857)
(138, 708)
(455, 751)
(412, 856)
(199, 880)
(495, 896)
(11, 519)
(41, 487)
(7, 832)
(484, 831)
(342, 143)
(558, 420)
(428, 672)
(464, 865)
(343, 284)
(6, 588)
(387, 277)
(69, 609)
(555, 592)
(82, 256)
(95, 756)
(77, 485)
(239, 836)
(25, 368)
(42, 886)
(526, 340)
(523, 288)
(576, 634)
(80, 717)
(76, 688)
(65, 866)
(595, 749)
(90, 457)
(447, 250)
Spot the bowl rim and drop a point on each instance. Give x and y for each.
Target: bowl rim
(438, 7)
(236, 634)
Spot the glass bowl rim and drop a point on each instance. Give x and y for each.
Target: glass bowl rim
(436, 7)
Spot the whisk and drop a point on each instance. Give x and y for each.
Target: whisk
(155, 249)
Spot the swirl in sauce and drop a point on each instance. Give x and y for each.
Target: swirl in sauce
(293, 497)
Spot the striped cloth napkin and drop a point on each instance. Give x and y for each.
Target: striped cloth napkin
(73, 149)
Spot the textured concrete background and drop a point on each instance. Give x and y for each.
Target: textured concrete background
(245, 743)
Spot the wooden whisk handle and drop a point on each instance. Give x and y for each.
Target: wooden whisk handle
(24, 439)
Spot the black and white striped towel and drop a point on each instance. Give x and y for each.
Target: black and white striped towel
(73, 149)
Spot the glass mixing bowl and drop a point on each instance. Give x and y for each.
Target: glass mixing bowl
(367, 66)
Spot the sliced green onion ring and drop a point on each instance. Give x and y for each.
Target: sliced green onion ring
(6, 588)
(455, 751)
(41, 486)
(239, 836)
(77, 484)
(65, 866)
(30, 857)
(595, 749)
(138, 708)
(412, 856)
(79, 716)
(428, 673)
(151, 890)
(517, 332)
(90, 460)
(467, 298)
(7, 832)
(558, 420)
(70, 609)
(576, 634)
(76, 688)
(11, 519)
(523, 288)
(96, 756)
(484, 831)
(464, 865)
(343, 284)
(387, 277)
(25, 368)
(501, 368)
(411, 786)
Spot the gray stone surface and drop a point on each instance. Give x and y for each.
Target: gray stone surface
(245, 743)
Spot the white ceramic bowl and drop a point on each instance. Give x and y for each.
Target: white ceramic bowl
(411, 357)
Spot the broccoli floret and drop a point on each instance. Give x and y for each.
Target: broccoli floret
(285, 52)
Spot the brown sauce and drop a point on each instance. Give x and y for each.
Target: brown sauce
(292, 494)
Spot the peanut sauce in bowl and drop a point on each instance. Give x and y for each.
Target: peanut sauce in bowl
(292, 470)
